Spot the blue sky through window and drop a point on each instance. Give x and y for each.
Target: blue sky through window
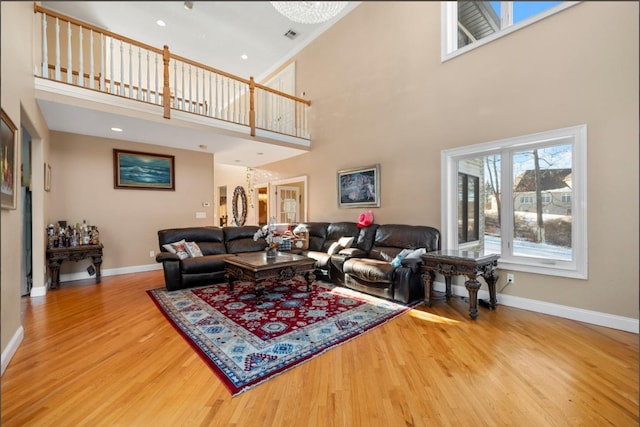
(525, 9)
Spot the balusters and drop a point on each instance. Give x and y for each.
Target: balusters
(69, 54)
(217, 109)
(175, 84)
(91, 66)
(45, 53)
(102, 62)
(139, 87)
(130, 72)
(190, 100)
(156, 56)
(121, 68)
(148, 85)
(57, 49)
(81, 59)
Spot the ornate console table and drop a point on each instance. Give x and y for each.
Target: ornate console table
(55, 256)
(451, 263)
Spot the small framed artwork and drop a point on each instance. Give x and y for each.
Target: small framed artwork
(359, 188)
(8, 162)
(47, 177)
(143, 171)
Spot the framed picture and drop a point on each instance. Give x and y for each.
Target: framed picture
(47, 177)
(358, 188)
(8, 162)
(144, 171)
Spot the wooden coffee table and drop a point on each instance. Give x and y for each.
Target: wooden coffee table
(256, 267)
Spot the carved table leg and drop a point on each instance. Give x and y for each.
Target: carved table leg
(230, 278)
(97, 263)
(258, 290)
(472, 286)
(491, 278)
(427, 278)
(310, 277)
(54, 267)
(447, 281)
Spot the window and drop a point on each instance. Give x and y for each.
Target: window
(533, 189)
(469, 24)
(468, 209)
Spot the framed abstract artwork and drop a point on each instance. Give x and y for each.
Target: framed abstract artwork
(143, 171)
(8, 162)
(359, 187)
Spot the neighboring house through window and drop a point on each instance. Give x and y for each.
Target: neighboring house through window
(469, 24)
(533, 189)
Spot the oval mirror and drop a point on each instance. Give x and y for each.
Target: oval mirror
(239, 205)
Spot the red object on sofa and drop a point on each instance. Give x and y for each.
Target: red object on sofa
(365, 219)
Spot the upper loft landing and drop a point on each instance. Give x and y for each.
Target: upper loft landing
(89, 79)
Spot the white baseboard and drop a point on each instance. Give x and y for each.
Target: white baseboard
(613, 321)
(38, 291)
(12, 347)
(110, 272)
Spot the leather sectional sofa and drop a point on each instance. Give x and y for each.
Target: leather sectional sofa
(215, 244)
(367, 265)
(370, 263)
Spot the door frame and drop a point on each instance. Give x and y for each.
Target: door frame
(305, 196)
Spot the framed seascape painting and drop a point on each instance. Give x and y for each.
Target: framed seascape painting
(8, 159)
(359, 187)
(144, 171)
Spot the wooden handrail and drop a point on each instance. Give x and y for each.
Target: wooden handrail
(38, 8)
(166, 57)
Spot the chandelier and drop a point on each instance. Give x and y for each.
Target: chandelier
(309, 12)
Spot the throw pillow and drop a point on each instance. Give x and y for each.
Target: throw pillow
(397, 261)
(345, 242)
(334, 248)
(193, 249)
(178, 248)
(416, 254)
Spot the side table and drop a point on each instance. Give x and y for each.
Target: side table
(451, 263)
(55, 257)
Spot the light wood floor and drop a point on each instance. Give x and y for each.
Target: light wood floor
(104, 355)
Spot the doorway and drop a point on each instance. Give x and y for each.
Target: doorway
(290, 199)
(26, 266)
(222, 194)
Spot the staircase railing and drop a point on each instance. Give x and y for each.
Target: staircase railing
(81, 54)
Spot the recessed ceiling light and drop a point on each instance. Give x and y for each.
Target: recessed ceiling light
(237, 161)
(244, 56)
(259, 154)
(188, 5)
(204, 147)
(161, 22)
(116, 129)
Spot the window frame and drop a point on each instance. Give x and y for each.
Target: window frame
(449, 26)
(465, 207)
(577, 267)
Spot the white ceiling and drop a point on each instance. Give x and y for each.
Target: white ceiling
(214, 33)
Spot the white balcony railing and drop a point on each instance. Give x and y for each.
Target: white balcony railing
(84, 55)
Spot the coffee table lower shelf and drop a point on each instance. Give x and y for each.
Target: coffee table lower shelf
(257, 268)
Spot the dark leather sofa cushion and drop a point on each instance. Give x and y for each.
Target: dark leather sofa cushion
(203, 264)
(337, 230)
(317, 234)
(240, 239)
(209, 239)
(369, 270)
(392, 238)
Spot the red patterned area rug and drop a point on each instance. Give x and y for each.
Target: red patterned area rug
(246, 344)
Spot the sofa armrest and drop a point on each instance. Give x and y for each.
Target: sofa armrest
(171, 266)
(415, 264)
(167, 256)
(353, 253)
